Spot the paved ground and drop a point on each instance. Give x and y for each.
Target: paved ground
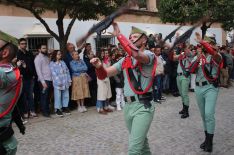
(93, 134)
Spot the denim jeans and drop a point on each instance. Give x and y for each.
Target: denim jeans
(27, 93)
(157, 87)
(100, 104)
(166, 82)
(45, 98)
(61, 98)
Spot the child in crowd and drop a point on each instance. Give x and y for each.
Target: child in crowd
(80, 87)
(61, 82)
(104, 90)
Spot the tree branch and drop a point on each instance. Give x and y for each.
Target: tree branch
(59, 22)
(69, 28)
(210, 24)
(38, 17)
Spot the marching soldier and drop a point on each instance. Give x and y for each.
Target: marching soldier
(207, 66)
(183, 55)
(139, 68)
(10, 88)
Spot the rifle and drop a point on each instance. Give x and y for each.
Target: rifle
(169, 36)
(188, 33)
(104, 24)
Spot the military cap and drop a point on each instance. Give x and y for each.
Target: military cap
(137, 30)
(8, 38)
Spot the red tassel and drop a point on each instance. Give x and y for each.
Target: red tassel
(101, 73)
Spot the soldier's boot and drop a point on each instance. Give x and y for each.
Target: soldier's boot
(182, 111)
(186, 112)
(202, 146)
(209, 143)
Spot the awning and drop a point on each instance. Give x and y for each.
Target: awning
(37, 30)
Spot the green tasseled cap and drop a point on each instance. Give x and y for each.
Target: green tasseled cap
(209, 39)
(8, 38)
(137, 30)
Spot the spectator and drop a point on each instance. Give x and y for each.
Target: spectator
(119, 84)
(224, 71)
(80, 88)
(167, 68)
(27, 69)
(157, 86)
(61, 82)
(42, 62)
(67, 59)
(87, 56)
(104, 89)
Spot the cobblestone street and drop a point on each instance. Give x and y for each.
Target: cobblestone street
(93, 134)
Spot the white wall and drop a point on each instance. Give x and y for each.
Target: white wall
(18, 26)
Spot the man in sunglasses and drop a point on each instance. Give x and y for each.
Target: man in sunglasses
(25, 62)
(10, 88)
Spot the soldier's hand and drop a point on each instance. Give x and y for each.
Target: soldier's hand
(198, 37)
(116, 31)
(96, 62)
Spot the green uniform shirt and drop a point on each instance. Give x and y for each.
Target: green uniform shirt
(147, 70)
(185, 62)
(7, 92)
(200, 75)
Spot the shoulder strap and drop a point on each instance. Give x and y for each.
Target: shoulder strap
(17, 93)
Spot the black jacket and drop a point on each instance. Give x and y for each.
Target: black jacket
(29, 72)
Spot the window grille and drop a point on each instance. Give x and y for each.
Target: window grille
(33, 43)
(103, 42)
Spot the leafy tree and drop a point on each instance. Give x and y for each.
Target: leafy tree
(74, 9)
(190, 11)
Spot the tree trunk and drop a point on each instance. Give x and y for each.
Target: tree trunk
(62, 46)
(204, 29)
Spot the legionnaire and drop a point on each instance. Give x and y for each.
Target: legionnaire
(207, 66)
(139, 68)
(10, 88)
(183, 55)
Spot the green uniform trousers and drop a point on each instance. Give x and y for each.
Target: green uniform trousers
(183, 86)
(138, 120)
(206, 99)
(10, 145)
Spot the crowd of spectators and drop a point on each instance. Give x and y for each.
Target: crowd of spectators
(60, 81)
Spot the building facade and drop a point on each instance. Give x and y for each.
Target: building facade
(21, 23)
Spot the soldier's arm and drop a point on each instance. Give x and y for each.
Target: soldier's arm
(102, 72)
(215, 55)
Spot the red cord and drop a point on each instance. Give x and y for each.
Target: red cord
(17, 93)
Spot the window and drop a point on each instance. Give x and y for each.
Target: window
(33, 42)
(104, 41)
(142, 4)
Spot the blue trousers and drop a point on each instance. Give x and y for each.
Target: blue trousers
(61, 98)
(157, 87)
(45, 98)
